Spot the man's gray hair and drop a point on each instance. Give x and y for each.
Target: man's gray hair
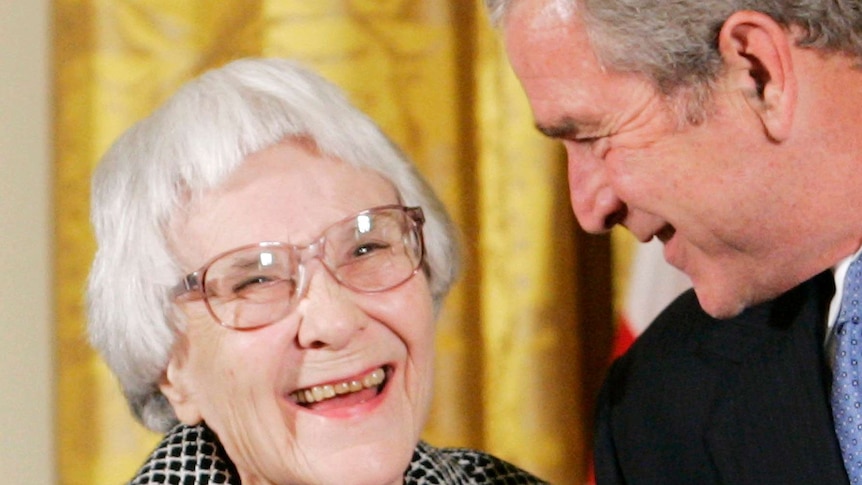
(673, 44)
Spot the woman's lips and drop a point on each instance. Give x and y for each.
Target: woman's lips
(347, 392)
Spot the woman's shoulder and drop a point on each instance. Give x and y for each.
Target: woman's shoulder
(187, 455)
(192, 454)
(432, 465)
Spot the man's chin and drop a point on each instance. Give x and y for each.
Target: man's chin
(720, 306)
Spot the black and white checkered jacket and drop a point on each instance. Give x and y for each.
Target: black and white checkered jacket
(193, 456)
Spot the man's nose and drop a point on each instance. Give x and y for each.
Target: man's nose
(595, 203)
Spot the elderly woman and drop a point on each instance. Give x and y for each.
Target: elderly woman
(268, 273)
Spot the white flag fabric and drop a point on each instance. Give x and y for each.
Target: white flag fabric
(653, 284)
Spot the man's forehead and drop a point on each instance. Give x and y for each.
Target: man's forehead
(537, 30)
(540, 15)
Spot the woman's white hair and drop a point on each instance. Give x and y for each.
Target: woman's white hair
(189, 145)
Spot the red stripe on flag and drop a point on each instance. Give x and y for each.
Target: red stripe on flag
(624, 337)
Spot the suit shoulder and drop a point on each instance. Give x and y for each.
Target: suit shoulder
(677, 328)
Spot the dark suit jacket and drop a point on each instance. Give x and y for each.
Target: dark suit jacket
(699, 401)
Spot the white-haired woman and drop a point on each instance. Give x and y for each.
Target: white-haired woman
(268, 273)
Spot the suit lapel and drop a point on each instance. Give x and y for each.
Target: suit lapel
(773, 424)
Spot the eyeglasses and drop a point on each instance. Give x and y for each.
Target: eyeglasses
(259, 284)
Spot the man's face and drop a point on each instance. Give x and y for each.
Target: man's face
(699, 188)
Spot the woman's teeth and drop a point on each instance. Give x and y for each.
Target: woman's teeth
(321, 393)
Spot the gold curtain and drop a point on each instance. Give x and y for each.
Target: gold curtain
(523, 338)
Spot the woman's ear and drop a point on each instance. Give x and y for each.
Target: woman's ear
(175, 386)
(756, 51)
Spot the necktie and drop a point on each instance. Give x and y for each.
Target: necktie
(847, 373)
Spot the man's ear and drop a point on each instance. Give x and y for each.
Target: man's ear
(175, 386)
(756, 51)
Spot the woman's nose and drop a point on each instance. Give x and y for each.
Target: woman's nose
(329, 314)
(595, 203)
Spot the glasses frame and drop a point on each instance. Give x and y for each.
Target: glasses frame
(193, 284)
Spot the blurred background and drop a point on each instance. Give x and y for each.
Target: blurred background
(524, 339)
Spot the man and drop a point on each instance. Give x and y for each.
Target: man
(729, 130)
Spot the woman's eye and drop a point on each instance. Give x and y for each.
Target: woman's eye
(249, 284)
(368, 248)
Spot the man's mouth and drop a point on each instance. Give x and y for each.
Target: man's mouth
(347, 392)
(666, 234)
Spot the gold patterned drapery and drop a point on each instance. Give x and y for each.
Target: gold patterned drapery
(523, 338)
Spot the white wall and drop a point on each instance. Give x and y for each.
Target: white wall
(26, 318)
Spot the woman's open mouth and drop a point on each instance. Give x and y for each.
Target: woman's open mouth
(348, 392)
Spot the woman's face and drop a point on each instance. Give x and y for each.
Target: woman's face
(243, 383)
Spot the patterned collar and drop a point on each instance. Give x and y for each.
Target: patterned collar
(192, 455)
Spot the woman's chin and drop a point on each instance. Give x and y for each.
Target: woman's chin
(364, 437)
(370, 463)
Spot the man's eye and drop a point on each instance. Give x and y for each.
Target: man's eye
(588, 140)
(597, 145)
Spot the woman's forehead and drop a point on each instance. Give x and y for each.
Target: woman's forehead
(284, 193)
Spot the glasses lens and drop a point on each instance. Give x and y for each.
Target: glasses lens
(375, 251)
(252, 287)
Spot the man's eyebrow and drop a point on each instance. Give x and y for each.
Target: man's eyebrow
(564, 129)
